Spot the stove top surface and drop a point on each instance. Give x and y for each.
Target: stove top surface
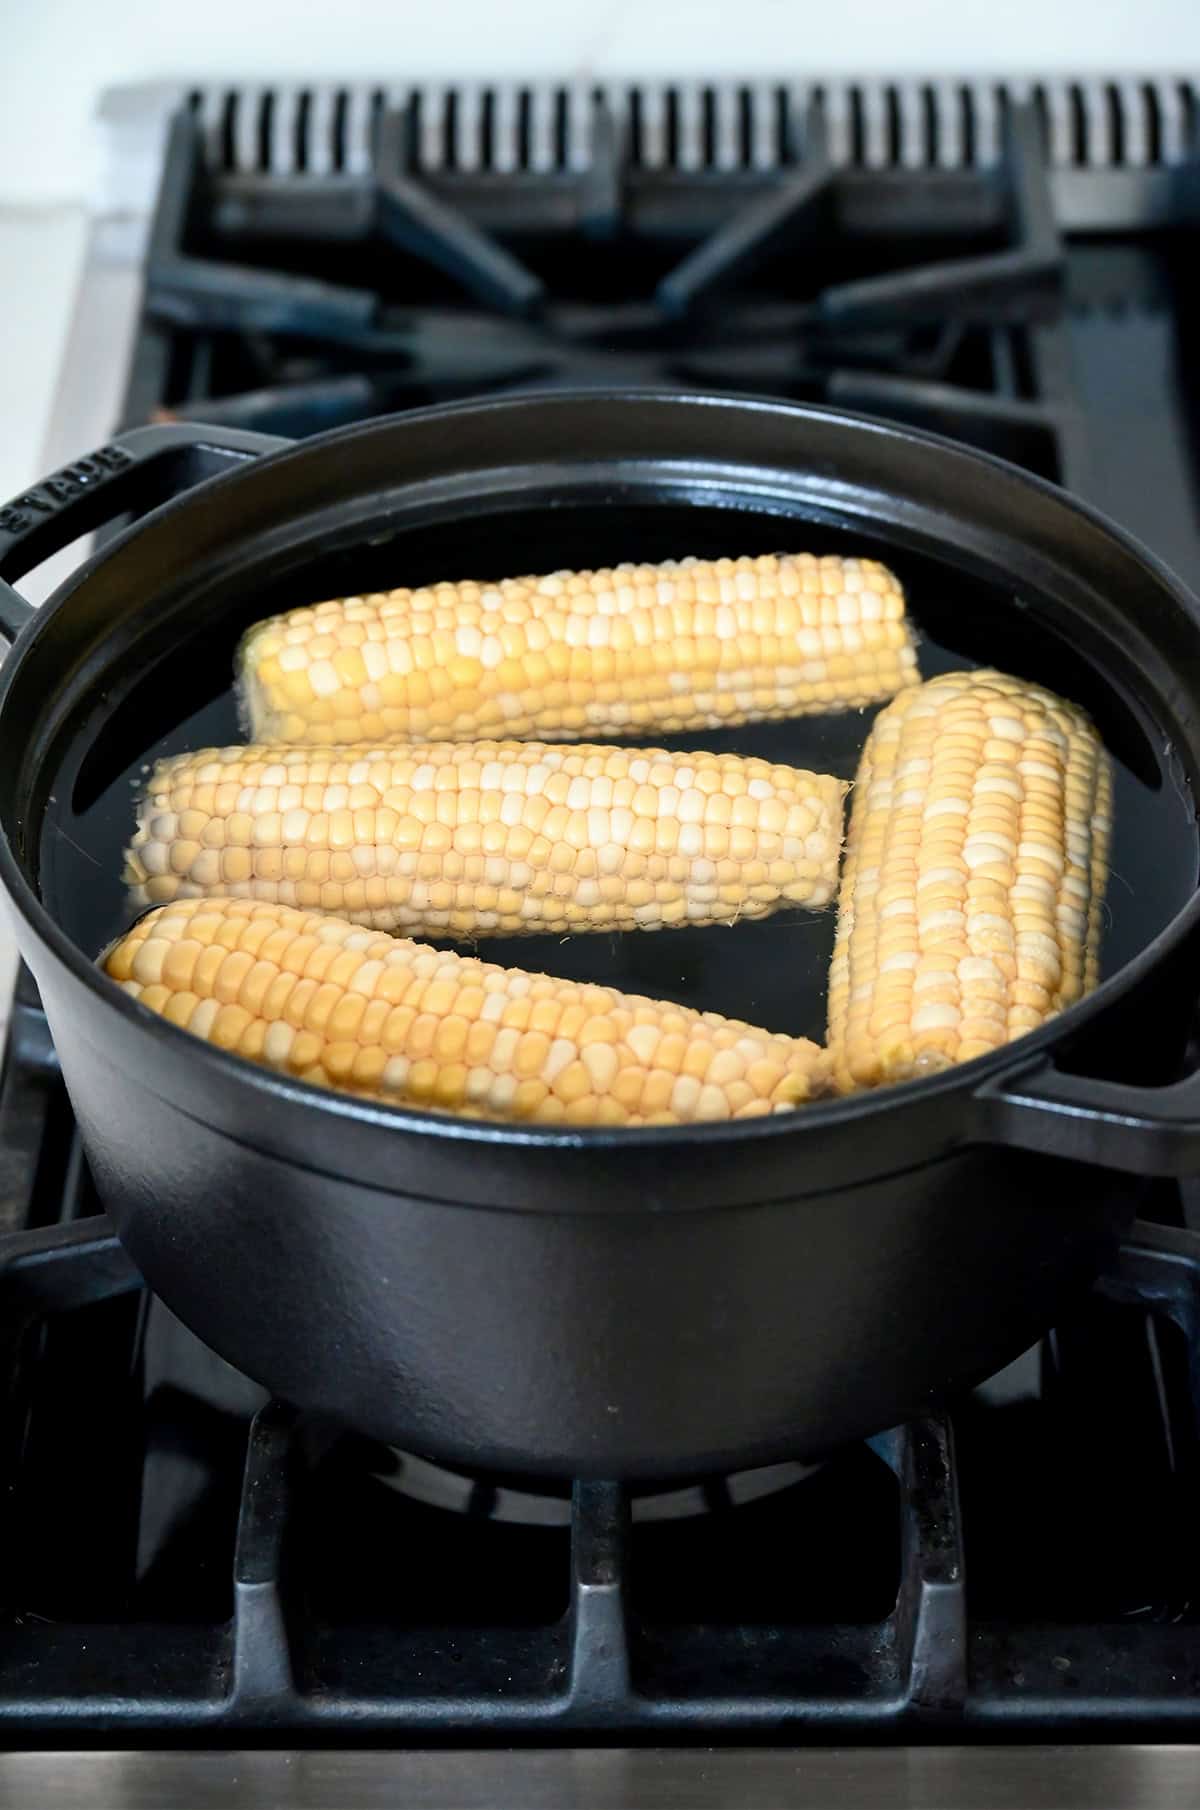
(189, 1562)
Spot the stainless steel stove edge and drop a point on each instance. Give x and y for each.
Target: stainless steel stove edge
(933, 1778)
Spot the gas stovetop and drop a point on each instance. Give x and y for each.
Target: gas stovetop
(192, 1565)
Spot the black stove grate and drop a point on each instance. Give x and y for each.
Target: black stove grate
(1005, 264)
(182, 1562)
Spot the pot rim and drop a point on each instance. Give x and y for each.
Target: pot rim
(263, 1084)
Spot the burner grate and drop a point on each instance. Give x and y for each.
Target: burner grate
(932, 304)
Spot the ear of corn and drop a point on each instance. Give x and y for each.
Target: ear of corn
(689, 644)
(974, 878)
(393, 1020)
(475, 838)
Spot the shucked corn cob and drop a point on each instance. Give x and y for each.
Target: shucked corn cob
(689, 644)
(461, 838)
(395, 1020)
(976, 863)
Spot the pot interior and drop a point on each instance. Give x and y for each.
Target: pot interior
(165, 694)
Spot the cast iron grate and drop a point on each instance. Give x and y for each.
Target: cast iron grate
(802, 288)
(313, 263)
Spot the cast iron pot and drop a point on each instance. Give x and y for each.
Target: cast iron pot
(639, 1303)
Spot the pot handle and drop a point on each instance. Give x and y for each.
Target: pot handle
(1138, 1130)
(137, 470)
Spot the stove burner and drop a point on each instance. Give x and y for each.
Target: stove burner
(525, 1505)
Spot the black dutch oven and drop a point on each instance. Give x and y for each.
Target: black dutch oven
(638, 1303)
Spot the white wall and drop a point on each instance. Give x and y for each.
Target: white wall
(60, 53)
